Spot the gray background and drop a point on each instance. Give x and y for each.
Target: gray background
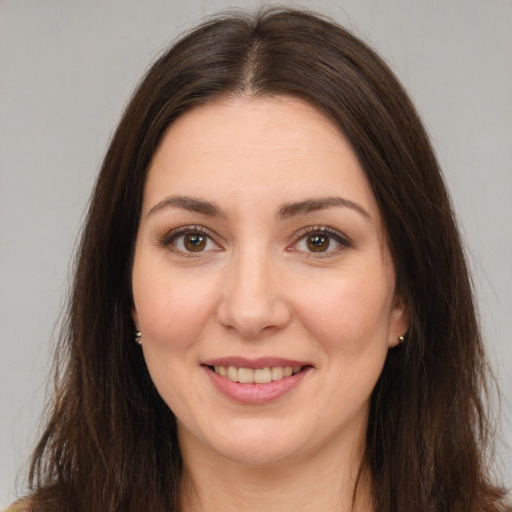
(66, 71)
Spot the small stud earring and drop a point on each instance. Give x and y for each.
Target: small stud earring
(401, 339)
(138, 337)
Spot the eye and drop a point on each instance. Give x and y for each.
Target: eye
(192, 242)
(317, 242)
(189, 240)
(321, 240)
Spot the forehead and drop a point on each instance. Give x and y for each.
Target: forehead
(257, 149)
(237, 126)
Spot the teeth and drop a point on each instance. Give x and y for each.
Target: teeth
(233, 373)
(276, 372)
(262, 375)
(258, 376)
(245, 375)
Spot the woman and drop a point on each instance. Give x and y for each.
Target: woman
(271, 306)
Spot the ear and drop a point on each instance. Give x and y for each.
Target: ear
(399, 321)
(135, 318)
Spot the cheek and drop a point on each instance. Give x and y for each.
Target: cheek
(349, 314)
(349, 320)
(171, 313)
(171, 310)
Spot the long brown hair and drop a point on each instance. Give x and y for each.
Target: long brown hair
(110, 442)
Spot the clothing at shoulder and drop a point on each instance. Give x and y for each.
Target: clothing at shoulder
(19, 506)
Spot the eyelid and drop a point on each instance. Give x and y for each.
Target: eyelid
(339, 237)
(167, 239)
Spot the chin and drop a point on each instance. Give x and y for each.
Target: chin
(257, 456)
(259, 447)
(242, 441)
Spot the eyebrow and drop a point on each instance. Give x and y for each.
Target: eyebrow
(191, 204)
(286, 211)
(312, 205)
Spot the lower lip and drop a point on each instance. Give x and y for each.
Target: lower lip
(255, 394)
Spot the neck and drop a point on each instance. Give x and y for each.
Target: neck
(318, 482)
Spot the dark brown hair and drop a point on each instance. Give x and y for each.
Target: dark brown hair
(110, 442)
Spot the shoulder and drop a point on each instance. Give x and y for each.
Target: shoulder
(19, 506)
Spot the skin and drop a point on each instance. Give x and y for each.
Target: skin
(257, 289)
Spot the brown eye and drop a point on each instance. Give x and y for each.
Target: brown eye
(194, 242)
(190, 241)
(320, 241)
(317, 243)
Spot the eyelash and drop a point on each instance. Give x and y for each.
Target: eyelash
(323, 231)
(169, 238)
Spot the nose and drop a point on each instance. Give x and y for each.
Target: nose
(253, 299)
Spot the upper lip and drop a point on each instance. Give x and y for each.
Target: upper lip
(255, 363)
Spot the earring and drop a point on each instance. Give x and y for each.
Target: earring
(401, 339)
(138, 337)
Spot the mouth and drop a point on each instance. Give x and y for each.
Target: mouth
(265, 375)
(256, 381)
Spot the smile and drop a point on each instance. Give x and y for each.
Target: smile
(257, 375)
(255, 382)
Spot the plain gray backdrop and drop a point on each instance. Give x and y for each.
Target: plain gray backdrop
(67, 69)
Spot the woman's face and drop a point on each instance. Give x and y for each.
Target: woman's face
(260, 253)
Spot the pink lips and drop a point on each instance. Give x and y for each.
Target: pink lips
(255, 394)
(260, 362)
